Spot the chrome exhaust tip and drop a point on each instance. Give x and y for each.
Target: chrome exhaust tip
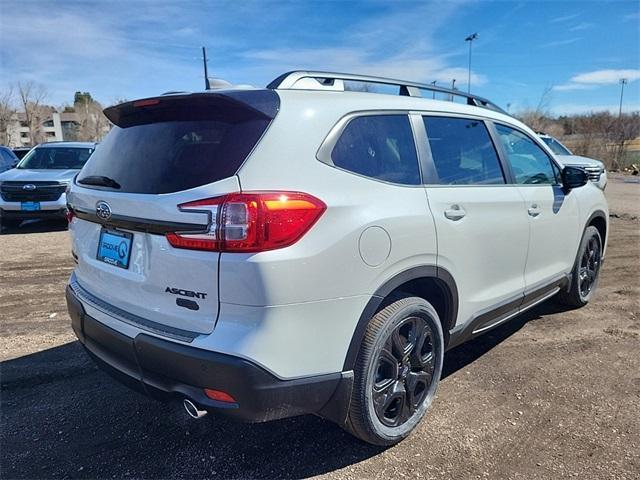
(192, 410)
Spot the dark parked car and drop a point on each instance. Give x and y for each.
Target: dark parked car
(8, 159)
(21, 151)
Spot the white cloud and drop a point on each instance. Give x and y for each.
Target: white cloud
(564, 18)
(604, 77)
(402, 66)
(567, 87)
(591, 80)
(379, 46)
(150, 50)
(581, 26)
(559, 43)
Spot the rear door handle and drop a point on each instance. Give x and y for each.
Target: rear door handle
(533, 211)
(455, 213)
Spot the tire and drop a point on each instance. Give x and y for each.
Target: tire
(401, 354)
(585, 273)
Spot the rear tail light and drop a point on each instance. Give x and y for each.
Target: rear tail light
(69, 214)
(250, 222)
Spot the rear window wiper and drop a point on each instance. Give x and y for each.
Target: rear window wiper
(100, 181)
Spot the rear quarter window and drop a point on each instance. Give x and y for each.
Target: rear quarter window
(379, 147)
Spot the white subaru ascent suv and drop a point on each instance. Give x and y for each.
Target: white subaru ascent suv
(308, 248)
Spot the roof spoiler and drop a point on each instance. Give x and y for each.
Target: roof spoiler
(231, 105)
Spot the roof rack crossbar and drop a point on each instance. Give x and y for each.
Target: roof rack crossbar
(295, 80)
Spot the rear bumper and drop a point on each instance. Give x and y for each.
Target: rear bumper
(168, 370)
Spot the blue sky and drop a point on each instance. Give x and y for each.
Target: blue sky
(136, 49)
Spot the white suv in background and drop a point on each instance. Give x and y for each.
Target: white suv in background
(36, 187)
(309, 249)
(595, 169)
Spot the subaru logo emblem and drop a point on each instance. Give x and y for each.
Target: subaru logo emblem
(29, 186)
(103, 210)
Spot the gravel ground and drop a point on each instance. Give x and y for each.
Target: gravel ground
(551, 394)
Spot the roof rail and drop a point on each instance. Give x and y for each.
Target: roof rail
(316, 80)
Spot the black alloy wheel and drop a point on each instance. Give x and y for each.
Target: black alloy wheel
(404, 371)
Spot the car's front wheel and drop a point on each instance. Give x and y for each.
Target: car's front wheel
(585, 274)
(397, 371)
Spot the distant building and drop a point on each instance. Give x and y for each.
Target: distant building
(55, 128)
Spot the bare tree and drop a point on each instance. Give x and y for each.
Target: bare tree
(627, 128)
(7, 111)
(32, 96)
(599, 135)
(539, 118)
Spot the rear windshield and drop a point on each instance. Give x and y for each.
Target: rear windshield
(174, 146)
(56, 158)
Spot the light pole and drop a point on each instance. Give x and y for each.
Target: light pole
(434, 92)
(470, 39)
(623, 82)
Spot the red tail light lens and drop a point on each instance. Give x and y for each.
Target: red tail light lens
(251, 222)
(69, 215)
(146, 103)
(219, 395)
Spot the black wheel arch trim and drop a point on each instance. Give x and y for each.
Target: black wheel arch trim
(378, 298)
(588, 223)
(592, 217)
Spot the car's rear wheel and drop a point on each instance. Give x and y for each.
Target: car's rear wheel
(585, 274)
(397, 371)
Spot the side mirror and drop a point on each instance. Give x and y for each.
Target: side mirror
(573, 177)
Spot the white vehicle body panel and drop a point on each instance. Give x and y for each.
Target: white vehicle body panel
(554, 225)
(470, 249)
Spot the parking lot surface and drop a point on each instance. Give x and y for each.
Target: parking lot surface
(551, 394)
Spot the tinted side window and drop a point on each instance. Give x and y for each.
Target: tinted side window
(529, 163)
(7, 157)
(463, 152)
(6, 160)
(379, 146)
